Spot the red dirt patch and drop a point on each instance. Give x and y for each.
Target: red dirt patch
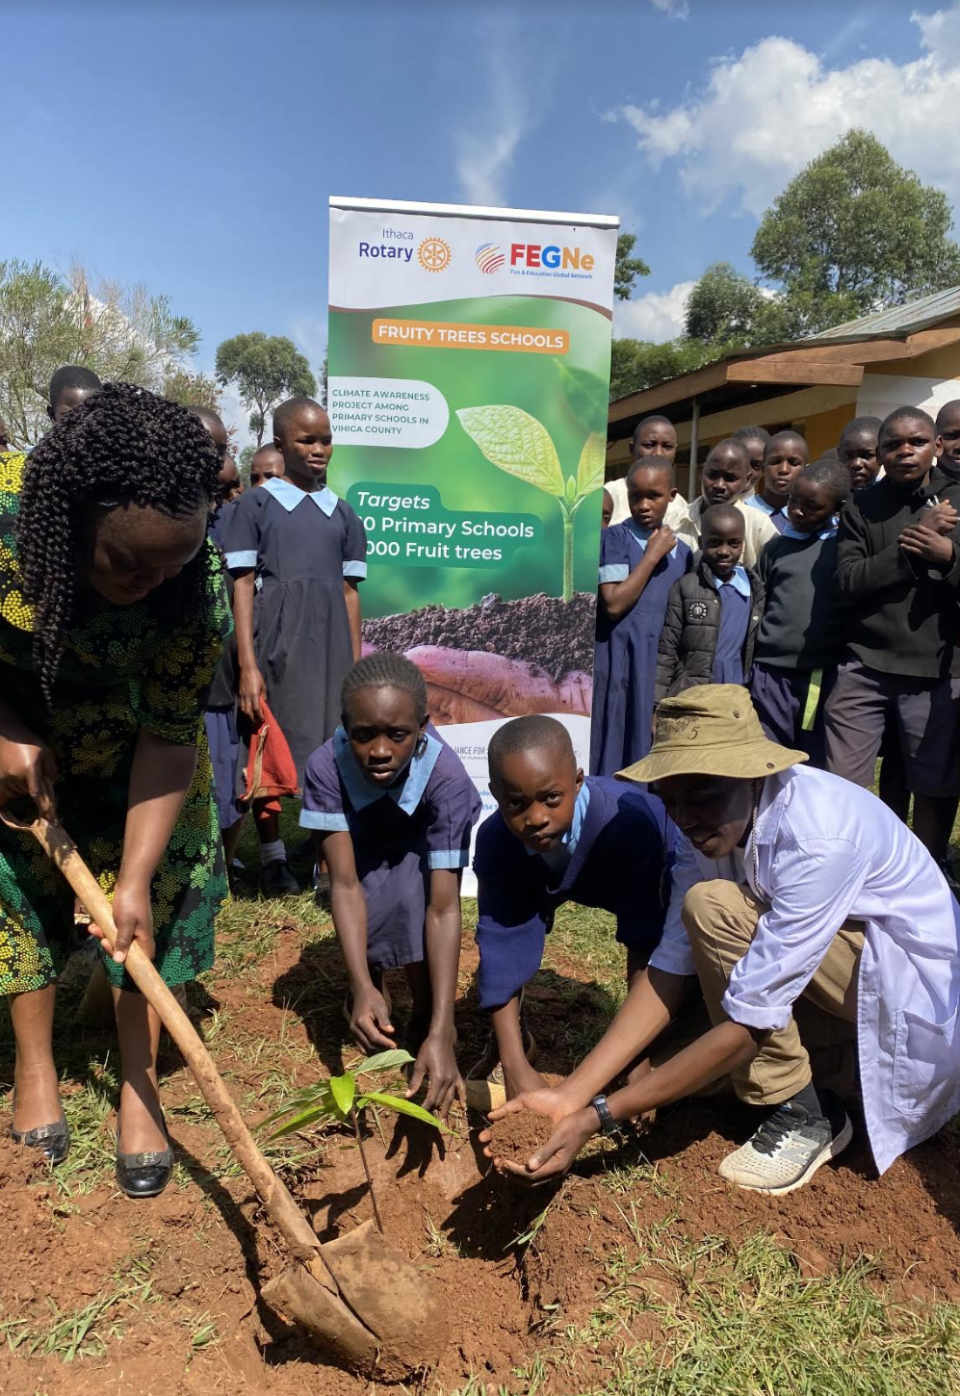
(205, 1250)
(516, 1137)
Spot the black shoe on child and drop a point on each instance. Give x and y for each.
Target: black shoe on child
(53, 1141)
(277, 879)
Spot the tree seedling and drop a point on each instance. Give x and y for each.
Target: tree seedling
(340, 1099)
(519, 444)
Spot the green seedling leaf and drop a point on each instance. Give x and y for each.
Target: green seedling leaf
(586, 395)
(570, 492)
(517, 443)
(316, 1096)
(306, 1117)
(343, 1089)
(403, 1107)
(593, 460)
(383, 1061)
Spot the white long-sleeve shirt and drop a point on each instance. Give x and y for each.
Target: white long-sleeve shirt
(828, 852)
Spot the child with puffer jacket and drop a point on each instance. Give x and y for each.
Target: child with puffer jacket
(713, 613)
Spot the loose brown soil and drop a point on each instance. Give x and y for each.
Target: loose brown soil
(540, 629)
(202, 1250)
(518, 1136)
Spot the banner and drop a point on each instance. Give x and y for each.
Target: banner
(468, 372)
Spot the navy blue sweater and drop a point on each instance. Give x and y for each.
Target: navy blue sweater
(621, 864)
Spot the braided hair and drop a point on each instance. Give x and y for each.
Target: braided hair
(384, 670)
(122, 446)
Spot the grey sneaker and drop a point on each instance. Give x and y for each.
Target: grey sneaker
(788, 1148)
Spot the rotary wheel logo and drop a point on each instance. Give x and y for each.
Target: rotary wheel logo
(434, 254)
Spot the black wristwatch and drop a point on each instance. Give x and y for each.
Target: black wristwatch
(608, 1125)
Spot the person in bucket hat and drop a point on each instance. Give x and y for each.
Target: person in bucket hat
(803, 906)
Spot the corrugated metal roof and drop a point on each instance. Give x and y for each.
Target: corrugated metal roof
(897, 320)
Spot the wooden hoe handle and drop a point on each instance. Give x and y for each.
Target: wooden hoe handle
(284, 1212)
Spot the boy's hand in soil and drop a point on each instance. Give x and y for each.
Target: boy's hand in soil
(437, 1061)
(370, 1019)
(557, 1106)
(553, 1158)
(927, 544)
(27, 767)
(133, 916)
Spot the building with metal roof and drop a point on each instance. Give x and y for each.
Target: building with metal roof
(905, 354)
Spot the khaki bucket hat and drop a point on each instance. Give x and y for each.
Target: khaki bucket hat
(711, 730)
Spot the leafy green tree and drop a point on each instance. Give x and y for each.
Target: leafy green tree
(46, 319)
(627, 268)
(725, 307)
(191, 389)
(266, 369)
(854, 232)
(636, 364)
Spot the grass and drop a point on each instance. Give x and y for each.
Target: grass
(673, 1317)
(85, 1331)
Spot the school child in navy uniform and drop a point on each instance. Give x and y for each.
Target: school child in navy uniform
(713, 614)
(784, 457)
(857, 450)
(297, 553)
(392, 808)
(802, 632)
(639, 562)
(557, 837)
(898, 571)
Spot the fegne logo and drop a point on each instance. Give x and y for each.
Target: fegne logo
(489, 258)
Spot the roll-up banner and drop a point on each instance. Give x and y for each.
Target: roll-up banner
(468, 375)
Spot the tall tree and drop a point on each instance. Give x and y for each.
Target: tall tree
(855, 231)
(191, 389)
(725, 307)
(122, 333)
(636, 364)
(627, 268)
(266, 369)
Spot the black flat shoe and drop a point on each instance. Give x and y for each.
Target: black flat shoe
(53, 1141)
(144, 1175)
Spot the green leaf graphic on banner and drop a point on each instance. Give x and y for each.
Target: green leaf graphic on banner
(586, 395)
(515, 442)
(593, 460)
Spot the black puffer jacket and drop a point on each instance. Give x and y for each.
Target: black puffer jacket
(688, 641)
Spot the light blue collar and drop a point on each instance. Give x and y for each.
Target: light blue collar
(739, 581)
(643, 536)
(572, 837)
(406, 791)
(791, 532)
(757, 501)
(288, 494)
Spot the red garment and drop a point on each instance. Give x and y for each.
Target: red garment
(269, 772)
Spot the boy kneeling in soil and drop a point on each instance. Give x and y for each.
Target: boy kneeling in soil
(557, 837)
(789, 883)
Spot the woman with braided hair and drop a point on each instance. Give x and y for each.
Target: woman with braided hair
(391, 808)
(112, 619)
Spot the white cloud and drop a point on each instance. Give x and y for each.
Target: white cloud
(656, 316)
(765, 113)
(235, 416)
(485, 156)
(676, 9)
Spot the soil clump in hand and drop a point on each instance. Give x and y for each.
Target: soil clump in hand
(539, 629)
(516, 1137)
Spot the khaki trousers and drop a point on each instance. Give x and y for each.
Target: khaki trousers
(721, 920)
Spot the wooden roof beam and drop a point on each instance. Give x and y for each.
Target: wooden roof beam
(799, 370)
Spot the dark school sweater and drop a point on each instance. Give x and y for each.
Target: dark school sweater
(903, 616)
(621, 864)
(803, 624)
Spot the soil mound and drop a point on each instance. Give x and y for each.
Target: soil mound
(516, 1137)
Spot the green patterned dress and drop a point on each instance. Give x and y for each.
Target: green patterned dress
(123, 671)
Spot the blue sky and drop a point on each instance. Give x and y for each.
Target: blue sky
(193, 147)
